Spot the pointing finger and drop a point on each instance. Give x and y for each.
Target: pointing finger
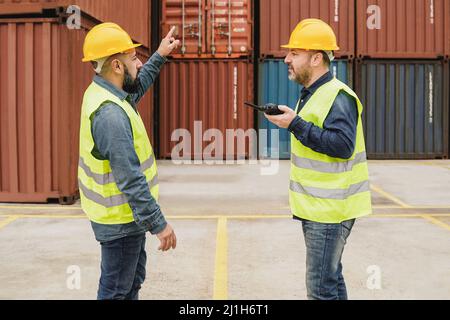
(170, 34)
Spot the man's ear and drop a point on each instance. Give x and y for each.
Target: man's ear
(316, 59)
(117, 66)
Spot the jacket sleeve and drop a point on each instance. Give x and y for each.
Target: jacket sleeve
(148, 74)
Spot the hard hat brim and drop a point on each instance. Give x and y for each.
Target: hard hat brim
(289, 46)
(111, 53)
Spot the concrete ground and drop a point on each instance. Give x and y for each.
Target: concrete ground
(238, 241)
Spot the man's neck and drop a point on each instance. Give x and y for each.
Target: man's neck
(114, 81)
(316, 76)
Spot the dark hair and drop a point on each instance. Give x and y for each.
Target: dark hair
(326, 58)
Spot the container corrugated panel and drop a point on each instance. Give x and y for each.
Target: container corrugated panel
(275, 87)
(406, 108)
(189, 18)
(41, 89)
(209, 29)
(37, 118)
(137, 24)
(132, 16)
(25, 6)
(210, 91)
(447, 30)
(402, 28)
(278, 19)
(229, 27)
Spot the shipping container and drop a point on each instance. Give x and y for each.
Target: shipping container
(278, 18)
(447, 31)
(209, 28)
(406, 108)
(199, 95)
(275, 87)
(134, 17)
(42, 82)
(12, 7)
(403, 28)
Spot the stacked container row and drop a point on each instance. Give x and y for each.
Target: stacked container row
(403, 29)
(406, 101)
(42, 82)
(279, 17)
(382, 29)
(135, 22)
(406, 108)
(212, 76)
(209, 28)
(209, 94)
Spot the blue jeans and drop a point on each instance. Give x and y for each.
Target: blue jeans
(324, 247)
(122, 268)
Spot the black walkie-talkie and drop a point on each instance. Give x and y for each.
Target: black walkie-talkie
(270, 109)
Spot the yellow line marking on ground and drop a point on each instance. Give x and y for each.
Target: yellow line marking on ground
(46, 216)
(389, 196)
(7, 221)
(406, 215)
(444, 166)
(41, 208)
(221, 272)
(436, 221)
(401, 207)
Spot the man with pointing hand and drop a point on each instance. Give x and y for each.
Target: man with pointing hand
(117, 171)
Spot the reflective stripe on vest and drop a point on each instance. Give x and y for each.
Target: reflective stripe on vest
(112, 201)
(108, 177)
(327, 167)
(337, 194)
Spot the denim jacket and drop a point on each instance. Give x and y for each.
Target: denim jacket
(113, 136)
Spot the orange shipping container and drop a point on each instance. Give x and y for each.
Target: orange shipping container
(210, 94)
(134, 17)
(279, 17)
(403, 28)
(210, 28)
(42, 82)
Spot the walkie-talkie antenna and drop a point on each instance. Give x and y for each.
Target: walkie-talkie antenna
(259, 108)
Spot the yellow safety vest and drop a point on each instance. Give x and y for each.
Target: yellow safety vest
(322, 188)
(101, 199)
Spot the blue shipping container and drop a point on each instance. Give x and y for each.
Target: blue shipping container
(406, 108)
(275, 87)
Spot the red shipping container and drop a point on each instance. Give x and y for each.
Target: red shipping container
(42, 82)
(403, 28)
(278, 18)
(210, 91)
(209, 28)
(135, 21)
(188, 16)
(229, 27)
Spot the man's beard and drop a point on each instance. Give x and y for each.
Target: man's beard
(129, 85)
(303, 78)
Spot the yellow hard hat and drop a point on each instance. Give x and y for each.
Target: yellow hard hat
(105, 40)
(313, 34)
